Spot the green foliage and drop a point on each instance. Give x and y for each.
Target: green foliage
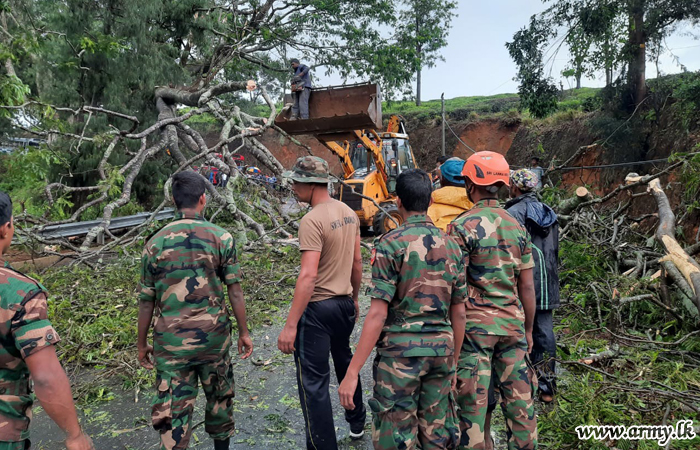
(12, 92)
(362, 39)
(97, 57)
(601, 34)
(204, 123)
(538, 94)
(684, 89)
(511, 117)
(580, 256)
(457, 108)
(421, 32)
(581, 99)
(96, 314)
(690, 179)
(590, 400)
(561, 117)
(586, 395)
(503, 106)
(24, 177)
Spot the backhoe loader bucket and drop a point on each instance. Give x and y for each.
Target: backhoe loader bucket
(336, 109)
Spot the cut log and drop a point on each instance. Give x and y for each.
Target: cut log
(665, 234)
(568, 205)
(612, 352)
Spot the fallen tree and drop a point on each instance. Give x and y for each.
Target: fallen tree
(666, 233)
(208, 51)
(664, 275)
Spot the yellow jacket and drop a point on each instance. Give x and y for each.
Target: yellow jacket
(448, 203)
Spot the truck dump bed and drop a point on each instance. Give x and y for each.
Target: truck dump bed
(336, 109)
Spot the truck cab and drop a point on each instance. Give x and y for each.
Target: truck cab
(397, 154)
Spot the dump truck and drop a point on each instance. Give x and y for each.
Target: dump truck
(347, 120)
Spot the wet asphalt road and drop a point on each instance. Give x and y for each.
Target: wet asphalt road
(267, 408)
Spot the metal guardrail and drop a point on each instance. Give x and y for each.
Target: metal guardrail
(67, 230)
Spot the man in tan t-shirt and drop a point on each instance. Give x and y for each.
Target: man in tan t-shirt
(325, 305)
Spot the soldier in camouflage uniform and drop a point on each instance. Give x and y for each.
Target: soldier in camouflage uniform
(500, 309)
(184, 266)
(417, 322)
(27, 342)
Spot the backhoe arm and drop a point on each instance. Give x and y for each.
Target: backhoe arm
(343, 153)
(376, 151)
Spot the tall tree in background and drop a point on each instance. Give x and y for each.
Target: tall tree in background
(610, 33)
(537, 91)
(423, 27)
(594, 39)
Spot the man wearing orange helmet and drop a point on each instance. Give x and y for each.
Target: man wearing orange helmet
(500, 308)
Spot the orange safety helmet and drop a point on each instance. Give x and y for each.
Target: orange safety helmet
(487, 169)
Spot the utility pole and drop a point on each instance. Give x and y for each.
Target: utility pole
(442, 97)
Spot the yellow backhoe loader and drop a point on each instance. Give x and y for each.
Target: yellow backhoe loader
(348, 121)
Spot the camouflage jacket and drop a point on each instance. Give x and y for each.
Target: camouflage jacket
(24, 330)
(183, 267)
(417, 269)
(496, 249)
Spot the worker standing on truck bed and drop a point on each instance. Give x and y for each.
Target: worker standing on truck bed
(301, 90)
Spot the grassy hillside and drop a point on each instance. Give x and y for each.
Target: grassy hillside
(452, 104)
(461, 108)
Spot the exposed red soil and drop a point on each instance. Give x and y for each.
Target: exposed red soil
(486, 135)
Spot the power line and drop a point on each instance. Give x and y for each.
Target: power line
(455, 134)
(500, 85)
(682, 48)
(603, 166)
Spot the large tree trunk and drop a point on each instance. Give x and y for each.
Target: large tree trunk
(9, 68)
(418, 88)
(665, 235)
(578, 81)
(608, 63)
(420, 63)
(637, 51)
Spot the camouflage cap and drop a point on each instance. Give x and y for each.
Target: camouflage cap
(524, 179)
(309, 169)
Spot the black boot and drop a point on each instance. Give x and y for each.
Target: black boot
(221, 445)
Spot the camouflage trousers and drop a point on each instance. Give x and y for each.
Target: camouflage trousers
(21, 445)
(173, 405)
(413, 406)
(506, 356)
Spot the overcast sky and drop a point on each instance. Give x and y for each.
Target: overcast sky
(477, 62)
